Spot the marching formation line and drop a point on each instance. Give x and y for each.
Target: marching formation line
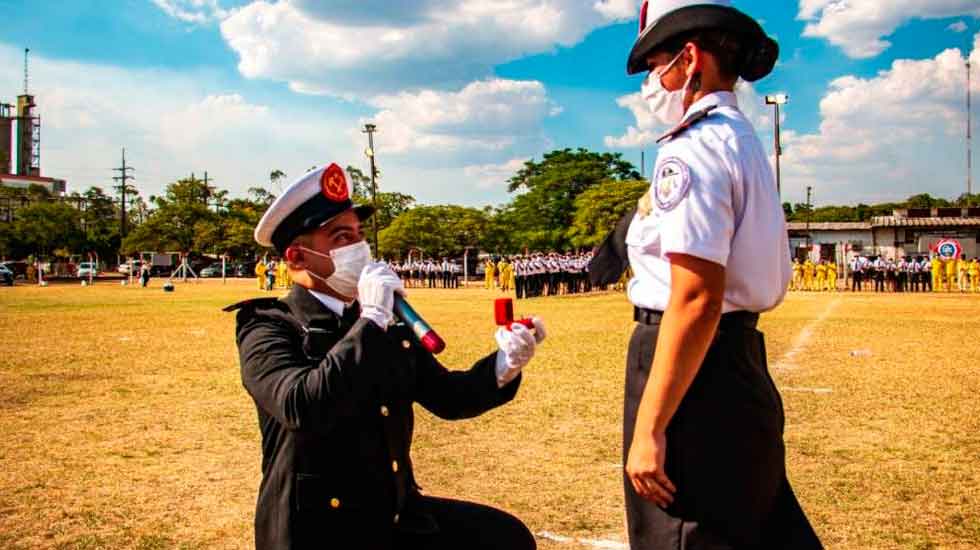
(802, 340)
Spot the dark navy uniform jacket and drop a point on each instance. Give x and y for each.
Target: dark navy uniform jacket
(334, 399)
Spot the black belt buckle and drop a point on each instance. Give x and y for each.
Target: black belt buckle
(647, 316)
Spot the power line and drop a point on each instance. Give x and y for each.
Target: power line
(123, 178)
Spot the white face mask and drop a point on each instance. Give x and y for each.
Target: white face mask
(348, 262)
(666, 106)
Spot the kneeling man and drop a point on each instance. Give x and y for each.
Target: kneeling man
(334, 378)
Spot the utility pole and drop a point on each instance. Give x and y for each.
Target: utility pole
(370, 129)
(123, 178)
(969, 132)
(809, 212)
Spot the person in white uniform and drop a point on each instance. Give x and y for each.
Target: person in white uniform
(703, 422)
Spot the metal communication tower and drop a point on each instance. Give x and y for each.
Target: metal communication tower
(123, 179)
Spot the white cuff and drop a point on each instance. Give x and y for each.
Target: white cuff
(377, 315)
(505, 373)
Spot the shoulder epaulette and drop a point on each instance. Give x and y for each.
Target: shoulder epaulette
(695, 117)
(253, 302)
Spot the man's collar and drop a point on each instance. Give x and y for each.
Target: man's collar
(310, 309)
(333, 304)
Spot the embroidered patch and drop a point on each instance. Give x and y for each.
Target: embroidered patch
(672, 182)
(333, 184)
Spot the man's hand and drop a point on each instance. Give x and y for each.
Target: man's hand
(376, 292)
(645, 468)
(517, 347)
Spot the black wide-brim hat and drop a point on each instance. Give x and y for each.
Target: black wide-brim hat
(759, 50)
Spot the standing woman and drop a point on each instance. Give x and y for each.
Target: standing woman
(703, 423)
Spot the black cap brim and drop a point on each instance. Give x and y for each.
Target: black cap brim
(695, 18)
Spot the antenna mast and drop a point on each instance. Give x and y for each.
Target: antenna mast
(27, 51)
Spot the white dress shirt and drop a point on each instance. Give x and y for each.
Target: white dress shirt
(714, 197)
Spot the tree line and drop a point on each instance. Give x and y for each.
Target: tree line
(567, 200)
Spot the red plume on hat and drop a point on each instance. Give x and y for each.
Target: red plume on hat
(662, 20)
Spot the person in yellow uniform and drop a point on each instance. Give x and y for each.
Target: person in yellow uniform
(260, 274)
(502, 274)
(950, 273)
(832, 276)
(975, 275)
(937, 273)
(511, 277)
(489, 274)
(821, 282)
(281, 275)
(797, 282)
(808, 272)
(962, 268)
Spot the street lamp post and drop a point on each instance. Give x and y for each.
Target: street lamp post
(777, 100)
(369, 129)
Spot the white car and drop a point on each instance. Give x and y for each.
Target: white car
(124, 267)
(87, 269)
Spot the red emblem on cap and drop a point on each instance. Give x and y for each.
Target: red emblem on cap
(333, 184)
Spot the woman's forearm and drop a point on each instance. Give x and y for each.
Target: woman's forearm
(686, 331)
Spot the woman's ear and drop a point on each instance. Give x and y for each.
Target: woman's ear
(694, 58)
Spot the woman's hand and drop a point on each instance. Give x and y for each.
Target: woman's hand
(645, 468)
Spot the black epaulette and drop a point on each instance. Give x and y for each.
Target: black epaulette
(255, 303)
(695, 117)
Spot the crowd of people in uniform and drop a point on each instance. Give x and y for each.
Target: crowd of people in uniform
(879, 274)
(428, 273)
(539, 274)
(272, 274)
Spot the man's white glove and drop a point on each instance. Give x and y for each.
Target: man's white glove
(517, 347)
(376, 292)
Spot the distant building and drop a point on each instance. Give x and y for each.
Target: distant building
(909, 232)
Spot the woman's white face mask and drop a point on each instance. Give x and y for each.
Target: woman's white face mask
(666, 106)
(348, 262)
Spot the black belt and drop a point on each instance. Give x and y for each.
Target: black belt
(744, 319)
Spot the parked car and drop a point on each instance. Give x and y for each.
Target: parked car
(19, 269)
(124, 267)
(214, 270)
(87, 269)
(245, 269)
(6, 276)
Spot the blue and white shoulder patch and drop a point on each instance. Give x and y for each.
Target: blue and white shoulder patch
(672, 183)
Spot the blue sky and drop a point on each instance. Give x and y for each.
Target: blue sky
(468, 92)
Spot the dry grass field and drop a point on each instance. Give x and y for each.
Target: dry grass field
(124, 423)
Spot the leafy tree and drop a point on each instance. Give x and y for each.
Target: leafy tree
(176, 223)
(598, 208)
(360, 184)
(276, 177)
(100, 223)
(438, 230)
(45, 226)
(541, 215)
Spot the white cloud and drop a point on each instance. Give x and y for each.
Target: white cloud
(170, 124)
(197, 12)
(899, 133)
(490, 176)
(371, 47)
(959, 26)
(860, 26)
(492, 115)
(647, 129)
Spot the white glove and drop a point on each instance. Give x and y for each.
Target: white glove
(376, 292)
(517, 347)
